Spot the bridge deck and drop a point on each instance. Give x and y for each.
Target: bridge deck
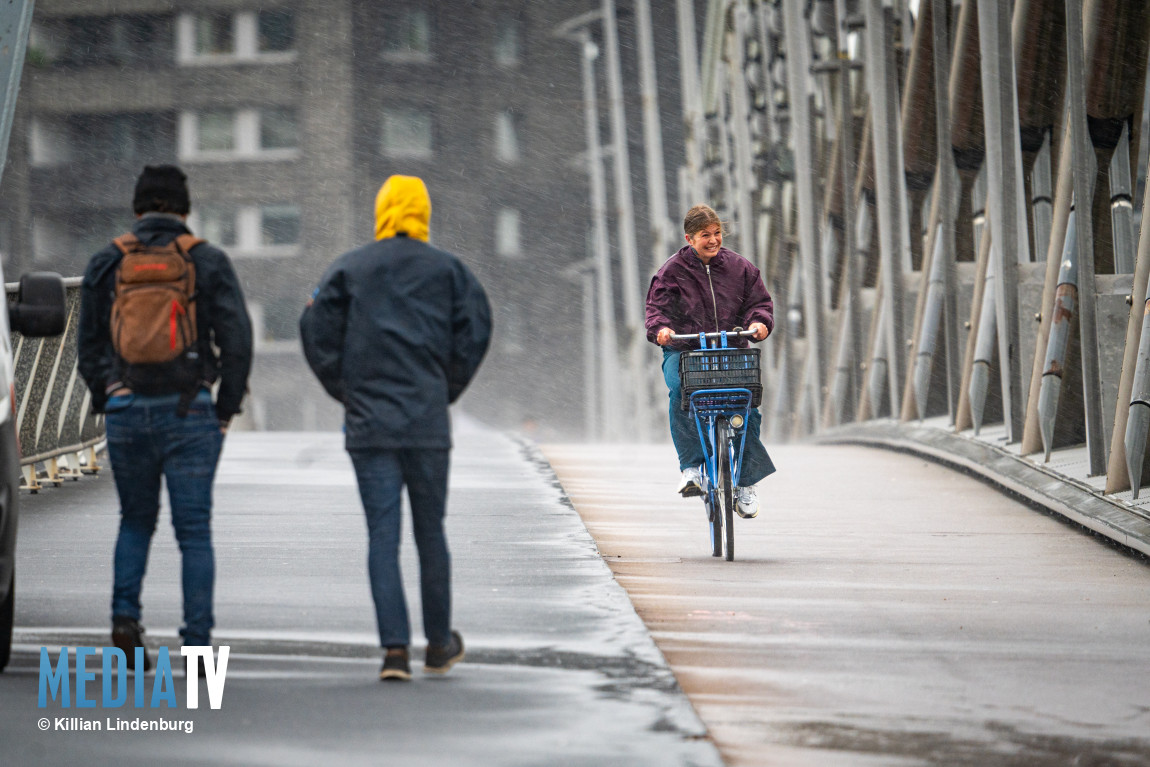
(882, 610)
(558, 664)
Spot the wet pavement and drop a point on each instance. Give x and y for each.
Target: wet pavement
(559, 668)
(882, 610)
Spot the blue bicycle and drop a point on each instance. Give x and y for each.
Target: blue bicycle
(720, 385)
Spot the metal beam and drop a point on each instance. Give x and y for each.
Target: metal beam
(625, 220)
(692, 98)
(609, 384)
(15, 20)
(1006, 212)
(1084, 174)
(798, 62)
(881, 82)
(660, 225)
(944, 185)
(740, 126)
(849, 166)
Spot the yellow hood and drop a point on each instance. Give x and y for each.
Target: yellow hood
(402, 207)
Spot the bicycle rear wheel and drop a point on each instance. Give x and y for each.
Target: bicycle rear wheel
(724, 448)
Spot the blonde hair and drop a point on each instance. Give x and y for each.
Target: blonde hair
(699, 217)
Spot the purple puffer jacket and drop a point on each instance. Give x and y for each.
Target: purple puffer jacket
(688, 297)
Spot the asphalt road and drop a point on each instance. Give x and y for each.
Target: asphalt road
(559, 671)
(881, 610)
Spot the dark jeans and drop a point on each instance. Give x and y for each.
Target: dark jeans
(382, 474)
(756, 463)
(147, 441)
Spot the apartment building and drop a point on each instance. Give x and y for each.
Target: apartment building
(287, 116)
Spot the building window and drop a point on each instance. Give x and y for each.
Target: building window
(214, 34)
(216, 130)
(511, 328)
(271, 133)
(278, 129)
(507, 42)
(216, 224)
(506, 137)
(279, 225)
(125, 40)
(223, 37)
(507, 243)
(67, 242)
(250, 231)
(124, 137)
(276, 31)
(52, 243)
(49, 142)
(407, 34)
(407, 133)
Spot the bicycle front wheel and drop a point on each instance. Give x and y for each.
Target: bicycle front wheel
(724, 454)
(713, 502)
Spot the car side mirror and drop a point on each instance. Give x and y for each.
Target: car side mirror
(40, 308)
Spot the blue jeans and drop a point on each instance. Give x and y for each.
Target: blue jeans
(147, 441)
(382, 474)
(756, 463)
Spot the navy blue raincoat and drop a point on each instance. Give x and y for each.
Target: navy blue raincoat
(396, 331)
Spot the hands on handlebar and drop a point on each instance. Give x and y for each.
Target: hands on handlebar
(757, 332)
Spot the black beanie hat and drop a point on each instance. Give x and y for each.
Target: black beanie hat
(162, 189)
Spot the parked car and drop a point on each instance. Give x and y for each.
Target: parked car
(39, 310)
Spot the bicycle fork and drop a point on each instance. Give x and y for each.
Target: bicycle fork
(712, 450)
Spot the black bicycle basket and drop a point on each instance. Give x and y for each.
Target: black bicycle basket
(720, 369)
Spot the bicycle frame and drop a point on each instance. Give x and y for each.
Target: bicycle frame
(708, 406)
(711, 404)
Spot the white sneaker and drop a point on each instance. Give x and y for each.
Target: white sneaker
(691, 483)
(747, 502)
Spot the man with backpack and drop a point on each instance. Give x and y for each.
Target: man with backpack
(153, 305)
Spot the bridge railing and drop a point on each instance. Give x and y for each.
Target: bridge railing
(55, 424)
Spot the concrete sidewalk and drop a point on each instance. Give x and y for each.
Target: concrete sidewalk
(559, 670)
(882, 610)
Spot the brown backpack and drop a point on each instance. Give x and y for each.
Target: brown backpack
(153, 323)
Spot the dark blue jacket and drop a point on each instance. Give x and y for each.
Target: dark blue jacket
(395, 332)
(221, 316)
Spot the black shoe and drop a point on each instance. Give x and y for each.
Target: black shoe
(439, 660)
(201, 669)
(396, 666)
(127, 635)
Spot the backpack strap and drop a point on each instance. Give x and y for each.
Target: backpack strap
(185, 242)
(129, 242)
(126, 243)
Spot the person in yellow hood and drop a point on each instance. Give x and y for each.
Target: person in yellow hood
(402, 207)
(396, 330)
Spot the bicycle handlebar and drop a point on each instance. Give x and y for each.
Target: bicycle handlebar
(736, 333)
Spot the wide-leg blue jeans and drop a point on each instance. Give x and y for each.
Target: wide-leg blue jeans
(147, 441)
(756, 463)
(382, 475)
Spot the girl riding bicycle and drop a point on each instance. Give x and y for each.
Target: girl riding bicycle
(706, 288)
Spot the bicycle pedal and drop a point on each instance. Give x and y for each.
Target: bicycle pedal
(692, 491)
